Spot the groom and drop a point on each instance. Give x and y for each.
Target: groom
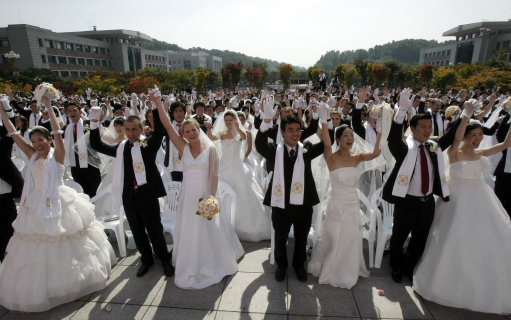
(291, 192)
(417, 175)
(136, 179)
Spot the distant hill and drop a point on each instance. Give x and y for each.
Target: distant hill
(226, 55)
(403, 51)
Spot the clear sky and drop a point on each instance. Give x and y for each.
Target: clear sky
(296, 32)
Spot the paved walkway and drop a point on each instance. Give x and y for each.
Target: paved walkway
(252, 293)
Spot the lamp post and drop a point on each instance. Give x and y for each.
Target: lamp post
(12, 56)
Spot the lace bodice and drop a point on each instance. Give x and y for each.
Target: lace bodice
(37, 172)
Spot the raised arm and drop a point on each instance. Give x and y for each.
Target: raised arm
(325, 135)
(209, 131)
(60, 151)
(22, 144)
(486, 109)
(468, 110)
(174, 136)
(366, 156)
(500, 146)
(242, 133)
(249, 144)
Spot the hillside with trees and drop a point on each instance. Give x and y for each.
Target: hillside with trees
(402, 51)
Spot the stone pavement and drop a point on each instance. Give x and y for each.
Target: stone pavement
(252, 293)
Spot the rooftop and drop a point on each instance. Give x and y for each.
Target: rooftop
(477, 26)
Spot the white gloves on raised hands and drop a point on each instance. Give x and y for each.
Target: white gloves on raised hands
(257, 106)
(375, 95)
(88, 92)
(469, 107)
(323, 111)
(405, 100)
(268, 111)
(234, 101)
(5, 102)
(94, 116)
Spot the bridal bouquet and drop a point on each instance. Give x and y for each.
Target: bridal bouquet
(506, 104)
(45, 89)
(208, 207)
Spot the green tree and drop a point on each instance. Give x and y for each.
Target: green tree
(361, 66)
(285, 73)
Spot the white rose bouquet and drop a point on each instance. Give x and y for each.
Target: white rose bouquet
(208, 207)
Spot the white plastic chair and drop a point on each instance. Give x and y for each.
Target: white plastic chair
(74, 185)
(369, 230)
(384, 223)
(116, 225)
(227, 200)
(169, 212)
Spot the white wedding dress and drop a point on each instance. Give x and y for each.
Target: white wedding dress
(205, 251)
(252, 222)
(467, 259)
(51, 261)
(337, 258)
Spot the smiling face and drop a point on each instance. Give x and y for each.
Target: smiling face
(473, 138)
(191, 132)
(40, 143)
(292, 134)
(422, 131)
(73, 112)
(346, 140)
(336, 119)
(229, 120)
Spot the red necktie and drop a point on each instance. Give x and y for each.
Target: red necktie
(134, 179)
(292, 155)
(179, 130)
(75, 130)
(424, 171)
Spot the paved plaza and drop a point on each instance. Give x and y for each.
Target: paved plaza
(252, 293)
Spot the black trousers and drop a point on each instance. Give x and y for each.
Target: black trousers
(89, 178)
(300, 217)
(6, 219)
(415, 216)
(144, 214)
(177, 176)
(503, 190)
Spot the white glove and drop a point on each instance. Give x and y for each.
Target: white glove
(234, 101)
(257, 105)
(94, 114)
(405, 101)
(323, 112)
(88, 92)
(468, 108)
(375, 95)
(269, 112)
(156, 92)
(5, 102)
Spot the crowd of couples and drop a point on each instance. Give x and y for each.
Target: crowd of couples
(295, 159)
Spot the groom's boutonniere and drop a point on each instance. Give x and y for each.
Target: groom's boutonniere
(142, 142)
(86, 127)
(433, 147)
(306, 147)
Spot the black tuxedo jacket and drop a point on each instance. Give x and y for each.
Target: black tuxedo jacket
(307, 132)
(9, 172)
(268, 151)
(154, 187)
(399, 150)
(501, 136)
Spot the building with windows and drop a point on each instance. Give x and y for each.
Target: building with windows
(75, 54)
(475, 42)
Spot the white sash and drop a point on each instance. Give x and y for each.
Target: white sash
(507, 167)
(5, 187)
(404, 175)
(69, 160)
(50, 205)
(118, 178)
(278, 195)
(138, 164)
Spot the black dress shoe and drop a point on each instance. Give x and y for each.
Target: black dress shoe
(397, 275)
(301, 274)
(168, 270)
(143, 269)
(280, 274)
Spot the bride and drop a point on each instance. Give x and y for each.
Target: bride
(468, 253)
(205, 251)
(251, 222)
(58, 252)
(337, 258)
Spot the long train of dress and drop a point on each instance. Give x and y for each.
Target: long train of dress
(467, 257)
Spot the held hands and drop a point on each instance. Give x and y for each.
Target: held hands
(469, 108)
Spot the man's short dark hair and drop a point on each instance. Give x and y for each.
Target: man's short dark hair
(421, 116)
(173, 107)
(199, 104)
(288, 120)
